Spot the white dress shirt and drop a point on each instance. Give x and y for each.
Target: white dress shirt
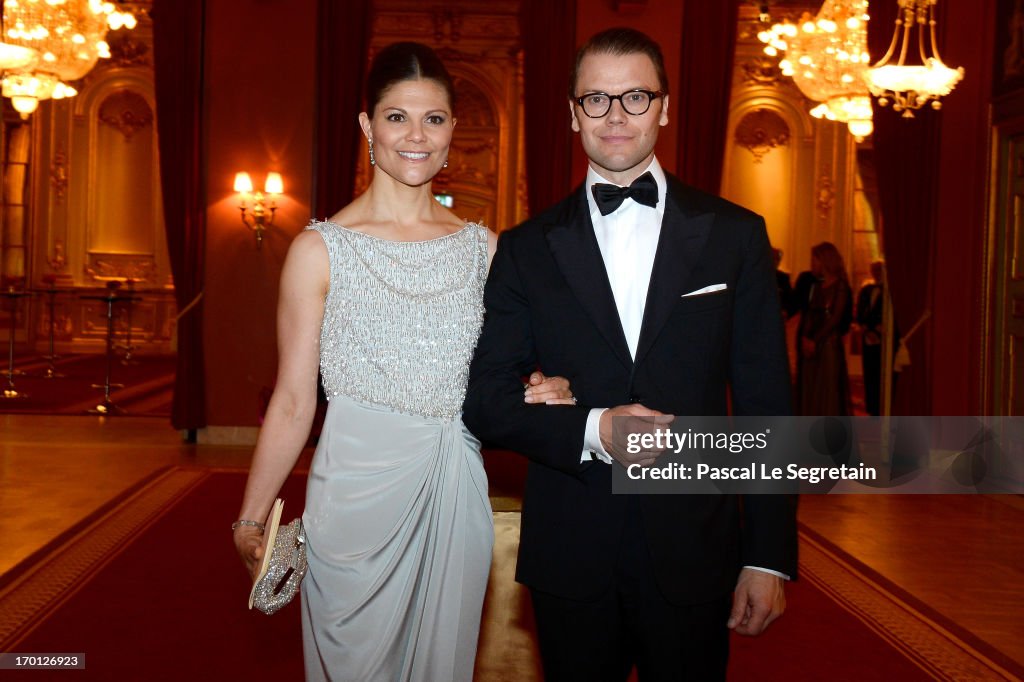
(628, 239)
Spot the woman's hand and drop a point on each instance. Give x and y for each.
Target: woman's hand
(549, 390)
(249, 543)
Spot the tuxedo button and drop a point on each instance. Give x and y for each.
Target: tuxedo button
(635, 399)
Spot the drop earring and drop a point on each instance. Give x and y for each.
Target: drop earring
(445, 164)
(373, 161)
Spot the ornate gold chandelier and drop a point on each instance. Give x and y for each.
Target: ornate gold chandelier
(911, 86)
(827, 57)
(59, 41)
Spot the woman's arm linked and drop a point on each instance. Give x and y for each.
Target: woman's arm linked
(300, 310)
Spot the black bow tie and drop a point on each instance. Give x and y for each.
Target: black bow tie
(644, 190)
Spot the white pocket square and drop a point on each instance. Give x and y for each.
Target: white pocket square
(706, 290)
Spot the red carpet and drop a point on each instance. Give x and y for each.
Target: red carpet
(148, 385)
(818, 640)
(168, 603)
(172, 604)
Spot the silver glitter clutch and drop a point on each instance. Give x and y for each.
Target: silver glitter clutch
(283, 566)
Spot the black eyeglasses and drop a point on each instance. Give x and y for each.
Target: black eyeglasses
(634, 102)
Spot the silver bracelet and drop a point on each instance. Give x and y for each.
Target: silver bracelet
(244, 522)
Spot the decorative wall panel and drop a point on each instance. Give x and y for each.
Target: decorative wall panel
(96, 212)
(479, 44)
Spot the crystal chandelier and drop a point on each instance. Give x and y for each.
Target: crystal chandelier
(911, 86)
(65, 38)
(17, 57)
(827, 57)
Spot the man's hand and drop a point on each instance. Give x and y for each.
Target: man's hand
(633, 419)
(548, 390)
(759, 599)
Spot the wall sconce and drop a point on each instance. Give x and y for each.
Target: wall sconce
(261, 216)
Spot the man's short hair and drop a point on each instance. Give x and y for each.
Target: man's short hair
(620, 41)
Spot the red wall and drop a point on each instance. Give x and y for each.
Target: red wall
(663, 21)
(259, 89)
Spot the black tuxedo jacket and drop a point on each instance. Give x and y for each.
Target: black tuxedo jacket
(869, 316)
(550, 306)
(800, 297)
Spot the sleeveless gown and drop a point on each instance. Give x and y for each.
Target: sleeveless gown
(398, 522)
(823, 385)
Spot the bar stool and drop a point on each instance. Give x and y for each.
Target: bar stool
(127, 346)
(108, 407)
(11, 392)
(51, 295)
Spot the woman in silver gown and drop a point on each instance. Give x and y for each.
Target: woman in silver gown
(386, 300)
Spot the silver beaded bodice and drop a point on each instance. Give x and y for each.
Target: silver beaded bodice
(401, 319)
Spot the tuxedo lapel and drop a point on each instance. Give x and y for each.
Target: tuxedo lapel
(575, 250)
(682, 239)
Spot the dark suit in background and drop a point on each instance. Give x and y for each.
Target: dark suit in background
(869, 317)
(785, 288)
(783, 282)
(800, 297)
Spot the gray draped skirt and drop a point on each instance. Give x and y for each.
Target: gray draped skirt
(399, 532)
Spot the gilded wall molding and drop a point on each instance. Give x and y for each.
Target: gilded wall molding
(126, 111)
(750, 23)
(126, 51)
(760, 131)
(761, 71)
(58, 260)
(825, 195)
(473, 163)
(63, 327)
(474, 106)
(447, 24)
(115, 267)
(59, 174)
(67, 188)
(479, 41)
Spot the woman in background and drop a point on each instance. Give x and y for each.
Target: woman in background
(823, 386)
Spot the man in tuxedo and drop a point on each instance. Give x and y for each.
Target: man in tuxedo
(653, 299)
(800, 297)
(782, 282)
(871, 319)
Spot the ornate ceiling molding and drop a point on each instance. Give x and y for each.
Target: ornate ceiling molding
(761, 71)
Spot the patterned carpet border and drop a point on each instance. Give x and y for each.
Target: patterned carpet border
(933, 647)
(55, 574)
(50, 580)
